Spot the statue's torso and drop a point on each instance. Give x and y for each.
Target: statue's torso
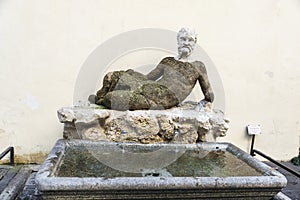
(179, 77)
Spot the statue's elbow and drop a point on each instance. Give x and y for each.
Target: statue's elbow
(210, 97)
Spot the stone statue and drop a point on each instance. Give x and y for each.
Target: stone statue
(164, 87)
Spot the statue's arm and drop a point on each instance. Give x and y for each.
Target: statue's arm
(156, 72)
(204, 82)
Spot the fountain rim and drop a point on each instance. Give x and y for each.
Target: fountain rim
(47, 182)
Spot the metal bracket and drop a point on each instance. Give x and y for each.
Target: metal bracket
(10, 150)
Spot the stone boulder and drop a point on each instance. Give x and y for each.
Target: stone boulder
(181, 124)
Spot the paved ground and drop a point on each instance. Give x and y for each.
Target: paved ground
(12, 180)
(19, 183)
(293, 187)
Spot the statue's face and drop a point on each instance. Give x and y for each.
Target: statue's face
(186, 43)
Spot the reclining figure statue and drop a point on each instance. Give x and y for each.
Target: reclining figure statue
(164, 87)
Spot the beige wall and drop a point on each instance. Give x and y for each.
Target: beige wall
(254, 44)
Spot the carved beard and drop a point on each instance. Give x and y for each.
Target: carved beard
(185, 51)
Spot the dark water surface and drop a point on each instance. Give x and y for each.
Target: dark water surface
(80, 162)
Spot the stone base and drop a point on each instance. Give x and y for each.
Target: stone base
(182, 124)
(256, 187)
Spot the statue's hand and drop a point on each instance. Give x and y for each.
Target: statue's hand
(93, 98)
(203, 104)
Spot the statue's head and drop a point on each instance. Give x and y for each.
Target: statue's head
(186, 40)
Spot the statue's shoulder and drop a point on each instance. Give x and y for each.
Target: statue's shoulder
(168, 59)
(199, 65)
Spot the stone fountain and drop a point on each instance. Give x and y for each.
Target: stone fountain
(138, 139)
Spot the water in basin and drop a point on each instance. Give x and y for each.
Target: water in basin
(80, 162)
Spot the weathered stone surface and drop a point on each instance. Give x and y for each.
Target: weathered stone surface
(164, 87)
(163, 185)
(182, 124)
(167, 85)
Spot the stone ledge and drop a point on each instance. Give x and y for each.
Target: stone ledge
(181, 124)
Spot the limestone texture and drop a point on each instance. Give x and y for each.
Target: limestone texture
(181, 124)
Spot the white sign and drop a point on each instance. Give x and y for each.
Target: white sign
(254, 129)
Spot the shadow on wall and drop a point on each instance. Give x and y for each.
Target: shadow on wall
(34, 158)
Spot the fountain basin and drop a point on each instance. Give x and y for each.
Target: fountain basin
(82, 169)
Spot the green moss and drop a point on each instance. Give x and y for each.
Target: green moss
(296, 160)
(99, 107)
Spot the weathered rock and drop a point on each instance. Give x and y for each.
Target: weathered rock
(181, 124)
(164, 87)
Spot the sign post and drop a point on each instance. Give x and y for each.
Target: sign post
(253, 129)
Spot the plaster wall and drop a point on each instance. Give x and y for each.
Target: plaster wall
(254, 44)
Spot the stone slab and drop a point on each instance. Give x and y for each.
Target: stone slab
(182, 124)
(15, 184)
(292, 189)
(246, 187)
(2, 173)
